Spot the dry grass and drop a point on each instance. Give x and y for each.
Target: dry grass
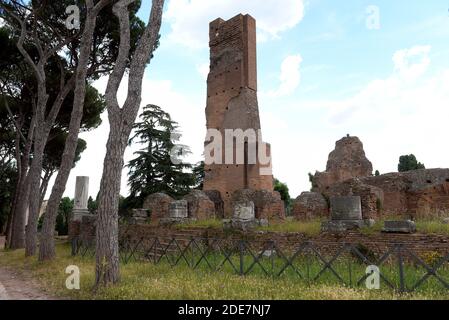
(310, 228)
(148, 281)
(313, 227)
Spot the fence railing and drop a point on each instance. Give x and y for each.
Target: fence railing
(348, 264)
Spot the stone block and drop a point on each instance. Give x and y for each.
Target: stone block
(346, 208)
(406, 226)
(242, 225)
(140, 213)
(263, 222)
(244, 210)
(78, 214)
(267, 204)
(341, 225)
(179, 209)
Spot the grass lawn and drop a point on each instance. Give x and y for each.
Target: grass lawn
(422, 226)
(313, 227)
(143, 280)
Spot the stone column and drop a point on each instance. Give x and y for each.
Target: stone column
(81, 198)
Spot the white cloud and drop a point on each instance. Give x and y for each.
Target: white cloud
(405, 91)
(189, 19)
(404, 112)
(203, 70)
(187, 111)
(2, 22)
(405, 65)
(289, 77)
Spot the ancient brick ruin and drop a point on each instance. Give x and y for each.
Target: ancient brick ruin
(417, 194)
(158, 206)
(310, 205)
(232, 104)
(346, 161)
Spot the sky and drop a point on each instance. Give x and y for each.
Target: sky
(376, 69)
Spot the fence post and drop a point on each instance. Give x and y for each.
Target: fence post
(241, 249)
(307, 256)
(273, 250)
(350, 264)
(402, 288)
(156, 241)
(192, 251)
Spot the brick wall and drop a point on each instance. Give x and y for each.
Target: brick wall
(327, 242)
(232, 104)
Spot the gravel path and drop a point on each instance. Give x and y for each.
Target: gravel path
(19, 287)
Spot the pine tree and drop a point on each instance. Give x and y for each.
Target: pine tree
(158, 166)
(198, 172)
(409, 163)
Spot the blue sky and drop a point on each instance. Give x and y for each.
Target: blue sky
(322, 73)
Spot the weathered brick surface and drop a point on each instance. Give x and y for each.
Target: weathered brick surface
(346, 161)
(158, 205)
(326, 242)
(268, 204)
(310, 205)
(232, 104)
(199, 205)
(215, 197)
(371, 197)
(88, 228)
(74, 229)
(419, 193)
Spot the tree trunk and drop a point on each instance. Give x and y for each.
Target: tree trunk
(16, 231)
(11, 215)
(47, 245)
(44, 121)
(19, 217)
(121, 122)
(107, 253)
(44, 186)
(34, 198)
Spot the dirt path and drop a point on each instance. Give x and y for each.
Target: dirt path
(19, 287)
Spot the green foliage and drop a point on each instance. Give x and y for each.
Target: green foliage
(8, 176)
(282, 188)
(377, 173)
(431, 258)
(64, 211)
(312, 181)
(198, 172)
(158, 165)
(379, 205)
(54, 149)
(408, 163)
(92, 205)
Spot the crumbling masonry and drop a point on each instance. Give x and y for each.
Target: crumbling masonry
(232, 104)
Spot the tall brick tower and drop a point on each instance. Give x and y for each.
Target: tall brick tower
(232, 104)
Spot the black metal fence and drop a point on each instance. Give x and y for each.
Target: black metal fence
(398, 268)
